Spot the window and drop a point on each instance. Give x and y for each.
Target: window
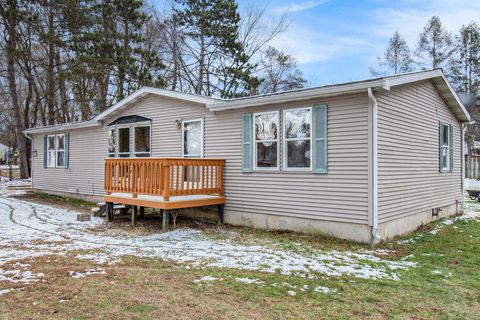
(445, 147)
(123, 135)
(119, 141)
(141, 138)
(60, 150)
(51, 152)
(192, 138)
(297, 139)
(111, 142)
(56, 151)
(266, 140)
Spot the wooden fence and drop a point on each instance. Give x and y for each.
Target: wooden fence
(472, 167)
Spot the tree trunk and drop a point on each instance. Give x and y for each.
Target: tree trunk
(50, 69)
(11, 46)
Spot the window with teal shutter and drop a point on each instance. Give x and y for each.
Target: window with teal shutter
(451, 148)
(67, 149)
(247, 142)
(320, 156)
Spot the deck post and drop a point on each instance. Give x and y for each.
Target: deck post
(165, 220)
(109, 211)
(142, 212)
(220, 213)
(134, 215)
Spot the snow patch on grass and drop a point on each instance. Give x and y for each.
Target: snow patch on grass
(5, 291)
(29, 230)
(86, 273)
(206, 279)
(249, 281)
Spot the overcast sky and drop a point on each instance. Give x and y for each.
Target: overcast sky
(338, 40)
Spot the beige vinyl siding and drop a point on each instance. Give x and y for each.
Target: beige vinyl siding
(340, 195)
(87, 149)
(409, 181)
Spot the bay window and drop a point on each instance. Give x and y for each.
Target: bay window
(266, 140)
(297, 139)
(119, 141)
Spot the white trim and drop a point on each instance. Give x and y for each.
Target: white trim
(149, 90)
(201, 120)
(150, 141)
(255, 141)
(373, 190)
(285, 140)
(213, 104)
(56, 151)
(447, 147)
(117, 147)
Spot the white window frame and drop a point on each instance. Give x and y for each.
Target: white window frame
(285, 140)
(150, 140)
(117, 142)
(112, 154)
(201, 120)
(55, 150)
(255, 141)
(446, 163)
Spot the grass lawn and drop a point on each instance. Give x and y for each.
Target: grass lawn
(444, 284)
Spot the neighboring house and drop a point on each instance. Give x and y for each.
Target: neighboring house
(364, 160)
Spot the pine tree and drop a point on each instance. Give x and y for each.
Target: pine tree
(464, 70)
(211, 28)
(397, 57)
(434, 45)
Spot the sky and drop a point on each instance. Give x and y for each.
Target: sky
(338, 40)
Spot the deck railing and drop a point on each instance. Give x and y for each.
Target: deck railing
(164, 177)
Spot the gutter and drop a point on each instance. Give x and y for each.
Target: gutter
(374, 166)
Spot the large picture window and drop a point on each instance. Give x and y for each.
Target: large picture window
(297, 139)
(266, 140)
(56, 151)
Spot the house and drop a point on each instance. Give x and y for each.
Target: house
(364, 160)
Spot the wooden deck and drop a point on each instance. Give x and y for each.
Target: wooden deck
(163, 183)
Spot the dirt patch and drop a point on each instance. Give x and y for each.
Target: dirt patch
(69, 204)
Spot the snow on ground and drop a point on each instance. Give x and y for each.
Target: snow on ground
(29, 230)
(248, 280)
(86, 273)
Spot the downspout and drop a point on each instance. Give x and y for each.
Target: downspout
(464, 128)
(374, 171)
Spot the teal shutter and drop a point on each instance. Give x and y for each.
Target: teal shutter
(45, 151)
(440, 160)
(66, 154)
(247, 142)
(320, 156)
(451, 148)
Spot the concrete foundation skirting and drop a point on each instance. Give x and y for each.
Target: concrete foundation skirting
(408, 224)
(343, 230)
(348, 231)
(84, 197)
